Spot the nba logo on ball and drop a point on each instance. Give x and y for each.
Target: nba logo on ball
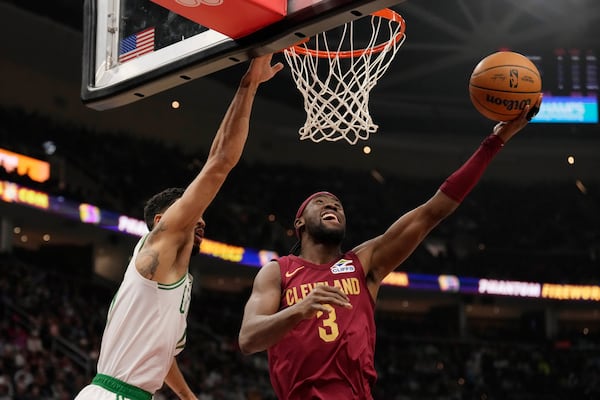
(514, 78)
(503, 84)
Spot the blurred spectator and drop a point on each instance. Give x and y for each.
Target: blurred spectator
(413, 360)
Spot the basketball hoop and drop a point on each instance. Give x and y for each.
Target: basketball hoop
(336, 83)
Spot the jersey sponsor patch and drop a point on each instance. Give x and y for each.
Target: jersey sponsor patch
(343, 266)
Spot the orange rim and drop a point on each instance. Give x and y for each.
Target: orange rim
(386, 13)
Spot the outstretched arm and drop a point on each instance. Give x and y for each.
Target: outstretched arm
(383, 254)
(176, 225)
(225, 151)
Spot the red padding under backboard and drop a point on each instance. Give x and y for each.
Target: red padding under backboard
(234, 18)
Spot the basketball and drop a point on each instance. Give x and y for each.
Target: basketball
(503, 84)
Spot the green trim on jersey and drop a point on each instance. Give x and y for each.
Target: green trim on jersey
(181, 342)
(121, 389)
(144, 239)
(172, 285)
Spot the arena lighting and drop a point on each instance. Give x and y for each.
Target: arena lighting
(37, 170)
(89, 214)
(11, 192)
(477, 286)
(564, 109)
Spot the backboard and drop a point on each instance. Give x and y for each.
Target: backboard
(136, 48)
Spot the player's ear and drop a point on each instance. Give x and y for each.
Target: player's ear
(299, 223)
(157, 218)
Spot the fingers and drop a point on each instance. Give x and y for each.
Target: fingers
(329, 295)
(266, 58)
(498, 126)
(535, 109)
(529, 111)
(277, 67)
(540, 99)
(262, 69)
(322, 298)
(524, 116)
(506, 130)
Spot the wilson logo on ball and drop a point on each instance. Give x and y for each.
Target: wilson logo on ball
(509, 105)
(503, 84)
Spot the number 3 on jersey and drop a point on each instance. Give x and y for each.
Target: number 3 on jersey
(329, 330)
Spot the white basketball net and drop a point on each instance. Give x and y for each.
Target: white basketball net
(336, 93)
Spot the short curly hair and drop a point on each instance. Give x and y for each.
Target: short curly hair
(159, 203)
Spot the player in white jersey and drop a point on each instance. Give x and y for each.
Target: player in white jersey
(146, 323)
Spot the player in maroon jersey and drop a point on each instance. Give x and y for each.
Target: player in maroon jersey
(314, 313)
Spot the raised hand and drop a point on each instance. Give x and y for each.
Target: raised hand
(506, 130)
(261, 70)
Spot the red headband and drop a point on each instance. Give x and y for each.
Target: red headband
(305, 203)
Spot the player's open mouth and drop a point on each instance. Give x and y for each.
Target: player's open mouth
(330, 217)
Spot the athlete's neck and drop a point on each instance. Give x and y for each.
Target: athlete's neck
(320, 253)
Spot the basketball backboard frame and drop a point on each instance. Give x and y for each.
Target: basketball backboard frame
(107, 84)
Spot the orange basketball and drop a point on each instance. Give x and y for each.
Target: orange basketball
(502, 84)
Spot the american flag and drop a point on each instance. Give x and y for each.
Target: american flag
(137, 44)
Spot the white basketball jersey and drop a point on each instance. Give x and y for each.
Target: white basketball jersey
(145, 328)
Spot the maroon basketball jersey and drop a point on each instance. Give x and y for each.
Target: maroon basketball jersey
(329, 356)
